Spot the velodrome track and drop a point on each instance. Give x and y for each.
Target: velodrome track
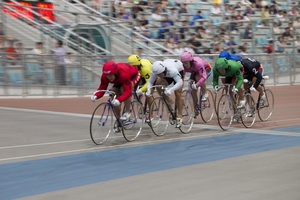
(46, 153)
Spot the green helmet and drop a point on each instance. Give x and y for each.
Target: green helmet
(221, 63)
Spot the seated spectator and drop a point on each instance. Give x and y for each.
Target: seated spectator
(297, 43)
(249, 10)
(174, 34)
(139, 27)
(170, 44)
(296, 23)
(11, 53)
(216, 9)
(241, 51)
(69, 58)
(135, 9)
(38, 49)
(270, 48)
(265, 16)
(182, 8)
(276, 28)
(232, 45)
(189, 48)
(273, 10)
(183, 30)
(140, 53)
(248, 32)
(197, 16)
(178, 50)
(279, 17)
(195, 43)
(157, 15)
(287, 35)
(246, 2)
(247, 17)
(280, 44)
(163, 29)
(215, 41)
(173, 15)
(144, 21)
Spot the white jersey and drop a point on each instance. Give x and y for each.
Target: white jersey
(173, 69)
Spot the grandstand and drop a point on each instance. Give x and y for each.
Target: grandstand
(96, 33)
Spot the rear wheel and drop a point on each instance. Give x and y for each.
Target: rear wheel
(265, 108)
(207, 108)
(134, 126)
(248, 113)
(225, 112)
(158, 116)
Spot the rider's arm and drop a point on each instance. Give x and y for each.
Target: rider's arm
(151, 82)
(240, 78)
(145, 72)
(203, 77)
(215, 77)
(103, 86)
(179, 82)
(258, 79)
(127, 90)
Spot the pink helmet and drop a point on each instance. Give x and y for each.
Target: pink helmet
(186, 56)
(110, 68)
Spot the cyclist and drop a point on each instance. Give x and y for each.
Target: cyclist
(233, 73)
(228, 56)
(253, 72)
(144, 66)
(124, 77)
(200, 70)
(167, 72)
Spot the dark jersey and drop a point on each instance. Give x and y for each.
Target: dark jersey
(252, 68)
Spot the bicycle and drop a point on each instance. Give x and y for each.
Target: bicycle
(161, 114)
(102, 122)
(227, 110)
(204, 108)
(264, 107)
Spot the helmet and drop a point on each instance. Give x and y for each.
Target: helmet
(186, 56)
(134, 60)
(225, 54)
(110, 68)
(158, 67)
(221, 63)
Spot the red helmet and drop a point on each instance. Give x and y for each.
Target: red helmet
(110, 68)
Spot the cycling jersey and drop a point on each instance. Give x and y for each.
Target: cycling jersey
(127, 75)
(145, 71)
(252, 68)
(173, 69)
(228, 56)
(235, 69)
(201, 67)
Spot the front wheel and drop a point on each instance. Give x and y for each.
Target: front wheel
(248, 113)
(225, 112)
(187, 114)
(265, 108)
(158, 116)
(134, 125)
(102, 123)
(207, 108)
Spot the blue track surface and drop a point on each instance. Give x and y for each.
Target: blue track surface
(28, 178)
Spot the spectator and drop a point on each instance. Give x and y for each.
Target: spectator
(280, 44)
(20, 51)
(273, 10)
(270, 48)
(297, 43)
(246, 2)
(216, 9)
(163, 29)
(287, 35)
(70, 59)
(139, 27)
(11, 53)
(189, 48)
(174, 34)
(197, 16)
(182, 8)
(38, 49)
(179, 48)
(156, 15)
(60, 69)
(247, 17)
(296, 23)
(265, 16)
(140, 53)
(241, 51)
(195, 43)
(173, 15)
(135, 9)
(276, 28)
(170, 44)
(183, 30)
(248, 32)
(144, 21)
(231, 45)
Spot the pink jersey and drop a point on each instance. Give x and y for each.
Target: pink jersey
(199, 66)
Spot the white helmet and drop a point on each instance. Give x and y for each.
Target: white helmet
(158, 67)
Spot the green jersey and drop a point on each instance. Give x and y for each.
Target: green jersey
(234, 70)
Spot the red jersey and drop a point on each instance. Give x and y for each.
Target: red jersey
(126, 75)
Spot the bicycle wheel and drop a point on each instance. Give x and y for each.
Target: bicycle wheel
(207, 108)
(225, 112)
(159, 117)
(265, 109)
(187, 114)
(217, 96)
(134, 125)
(102, 123)
(248, 113)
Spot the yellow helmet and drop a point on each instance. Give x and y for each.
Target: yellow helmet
(134, 60)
